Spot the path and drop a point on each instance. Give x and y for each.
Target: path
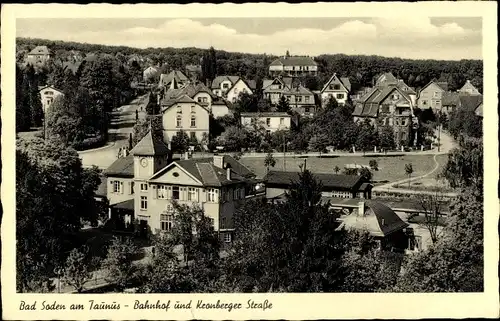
(121, 127)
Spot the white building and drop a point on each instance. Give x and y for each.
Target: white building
(270, 121)
(48, 94)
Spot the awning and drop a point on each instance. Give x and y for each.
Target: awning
(126, 205)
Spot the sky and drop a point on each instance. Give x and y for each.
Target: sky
(405, 37)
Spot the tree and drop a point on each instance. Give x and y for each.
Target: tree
(366, 174)
(373, 164)
(455, 263)
(367, 136)
(290, 247)
(76, 269)
(318, 143)
(432, 205)
(34, 99)
(63, 125)
(283, 105)
(331, 104)
(233, 138)
(464, 167)
(409, 171)
(118, 264)
(386, 138)
(23, 109)
(193, 236)
(55, 196)
(336, 169)
(180, 142)
(152, 108)
(269, 161)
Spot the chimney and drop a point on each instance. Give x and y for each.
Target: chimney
(219, 161)
(228, 173)
(361, 208)
(125, 151)
(383, 222)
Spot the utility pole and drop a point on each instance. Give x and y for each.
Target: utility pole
(284, 151)
(439, 132)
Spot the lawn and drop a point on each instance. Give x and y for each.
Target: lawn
(391, 168)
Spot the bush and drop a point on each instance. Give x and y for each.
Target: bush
(89, 143)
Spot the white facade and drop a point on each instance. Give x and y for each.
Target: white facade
(239, 87)
(48, 95)
(223, 89)
(270, 122)
(189, 117)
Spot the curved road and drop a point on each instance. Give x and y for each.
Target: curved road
(120, 128)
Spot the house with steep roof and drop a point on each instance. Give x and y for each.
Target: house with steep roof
(388, 106)
(471, 102)
(149, 74)
(300, 99)
(293, 66)
(47, 95)
(195, 90)
(269, 121)
(381, 222)
(333, 185)
(386, 79)
(175, 78)
(241, 86)
(336, 87)
(221, 84)
(143, 186)
(469, 89)
(430, 96)
(450, 101)
(38, 56)
(183, 113)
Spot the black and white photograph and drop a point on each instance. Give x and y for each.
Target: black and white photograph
(211, 154)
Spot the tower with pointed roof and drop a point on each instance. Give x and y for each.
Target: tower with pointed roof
(150, 155)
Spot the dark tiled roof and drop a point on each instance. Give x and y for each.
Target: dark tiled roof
(389, 222)
(365, 186)
(219, 79)
(346, 83)
(449, 99)
(470, 102)
(368, 105)
(40, 50)
(125, 205)
(210, 175)
(387, 78)
(166, 79)
(122, 167)
(173, 96)
(443, 85)
(294, 61)
(329, 181)
(148, 146)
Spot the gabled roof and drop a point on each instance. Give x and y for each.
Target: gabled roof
(368, 105)
(219, 79)
(344, 82)
(70, 65)
(166, 79)
(441, 85)
(479, 110)
(470, 102)
(294, 61)
(51, 87)
(386, 78)
(245, 82)
(173, 96)
(149, 146)
(122, 167)
(468, 85)
(40, 50)
(329, 181)
(285, 81)
(204, 170)
(151, 68)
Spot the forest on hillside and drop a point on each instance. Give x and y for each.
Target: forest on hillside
(361, 69)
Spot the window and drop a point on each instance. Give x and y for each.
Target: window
(162, 192)
(424, 102)
(299, 98)
(192, 135)
(179, 109)
(144, 203)
(436, 94)
(193, 121)
(268, 132)
(50, 100)
(132, 185)
(336, 86)
(212, 195)
(390, 121)
(144, 187)
(307, 99)
(223, 223)
(193, 108)
(237, 194)
(116, 187)
(192, 194)
(288, 98)
(307, 109)
(175, 192)
(227, 238)
(340, 96)
(395, 96)
(282, 121)
(268, 122)
(403, 136)
(167, 221)
(179, 121)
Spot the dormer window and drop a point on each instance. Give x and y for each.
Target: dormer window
(225, 86)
